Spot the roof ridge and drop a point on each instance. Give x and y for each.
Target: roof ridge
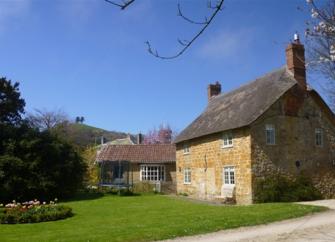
(283, 68)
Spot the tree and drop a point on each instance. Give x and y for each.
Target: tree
(92, 172)
(321, 43)
(185, 44)
(36, 164)
(11, 103)
(164, 135)
(45, 120)
(33, 164)
(80, 119)
(320, 35)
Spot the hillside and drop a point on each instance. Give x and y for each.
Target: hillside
(85, 135)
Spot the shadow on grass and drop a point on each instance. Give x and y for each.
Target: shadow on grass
(82, 196)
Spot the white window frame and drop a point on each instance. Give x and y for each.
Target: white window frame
(270, 130)
(186, 148)
(152, 173)
(319, 137)
(227, 139)
(187, 175)
(229, 176)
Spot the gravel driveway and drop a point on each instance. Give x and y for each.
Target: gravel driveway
(316, 227)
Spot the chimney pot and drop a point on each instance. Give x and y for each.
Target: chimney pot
(295, 61)
(296, 38)
(213, 90)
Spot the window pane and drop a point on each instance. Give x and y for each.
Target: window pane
(187, 175)
(227, 139)
(232, 177)
(186, 148)
(270, 134)
(229, 175)
(318, 137)
(153, 173)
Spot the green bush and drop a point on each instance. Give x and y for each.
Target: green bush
(143, 187)
(279, 188)
(37, 164)
(18, 213)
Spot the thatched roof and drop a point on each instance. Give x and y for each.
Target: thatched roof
(241, 106)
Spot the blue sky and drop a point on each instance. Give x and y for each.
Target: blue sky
(89, 58)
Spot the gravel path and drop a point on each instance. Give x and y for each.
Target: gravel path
(316, 227)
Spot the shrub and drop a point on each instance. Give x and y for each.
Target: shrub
(116, 191)
(183, 194)
(33, 212)
(279, 188)
(143, 187)
(91, 178)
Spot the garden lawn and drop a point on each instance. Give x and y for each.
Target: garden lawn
(148, 217)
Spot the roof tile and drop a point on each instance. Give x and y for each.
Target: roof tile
(154, 153)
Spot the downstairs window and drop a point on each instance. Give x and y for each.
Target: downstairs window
(152, 173)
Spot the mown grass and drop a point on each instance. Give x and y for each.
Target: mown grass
(148, 217)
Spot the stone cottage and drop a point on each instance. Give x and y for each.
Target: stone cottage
(129, 165)
(276, 123)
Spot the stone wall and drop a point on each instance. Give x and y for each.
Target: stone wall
(207, 159)
(295, 116)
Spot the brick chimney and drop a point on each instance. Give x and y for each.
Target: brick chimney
(295, 61)
(139, 138)
(213, 90)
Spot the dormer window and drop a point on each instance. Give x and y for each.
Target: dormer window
(319, 137)
(227, 139)
(270, 133)
(186, 149)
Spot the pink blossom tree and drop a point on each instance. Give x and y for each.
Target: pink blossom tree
(320, 36)
(163, 135)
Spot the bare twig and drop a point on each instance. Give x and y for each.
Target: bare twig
(123, 5)
(180, 13)
(187, 44)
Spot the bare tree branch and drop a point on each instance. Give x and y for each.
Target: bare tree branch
(123, 5)
(45, 120)
(180, 13)
(187, 44)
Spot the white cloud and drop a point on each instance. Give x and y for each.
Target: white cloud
(227, 44)
(11, 10)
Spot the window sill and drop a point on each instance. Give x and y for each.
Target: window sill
(229, 185)
(186, 153)
(227, 147)
(187, 183)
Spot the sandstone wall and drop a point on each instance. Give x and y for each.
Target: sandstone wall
(295, 117)
(207, 159)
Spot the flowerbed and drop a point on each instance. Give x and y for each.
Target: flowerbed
(33, 212)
